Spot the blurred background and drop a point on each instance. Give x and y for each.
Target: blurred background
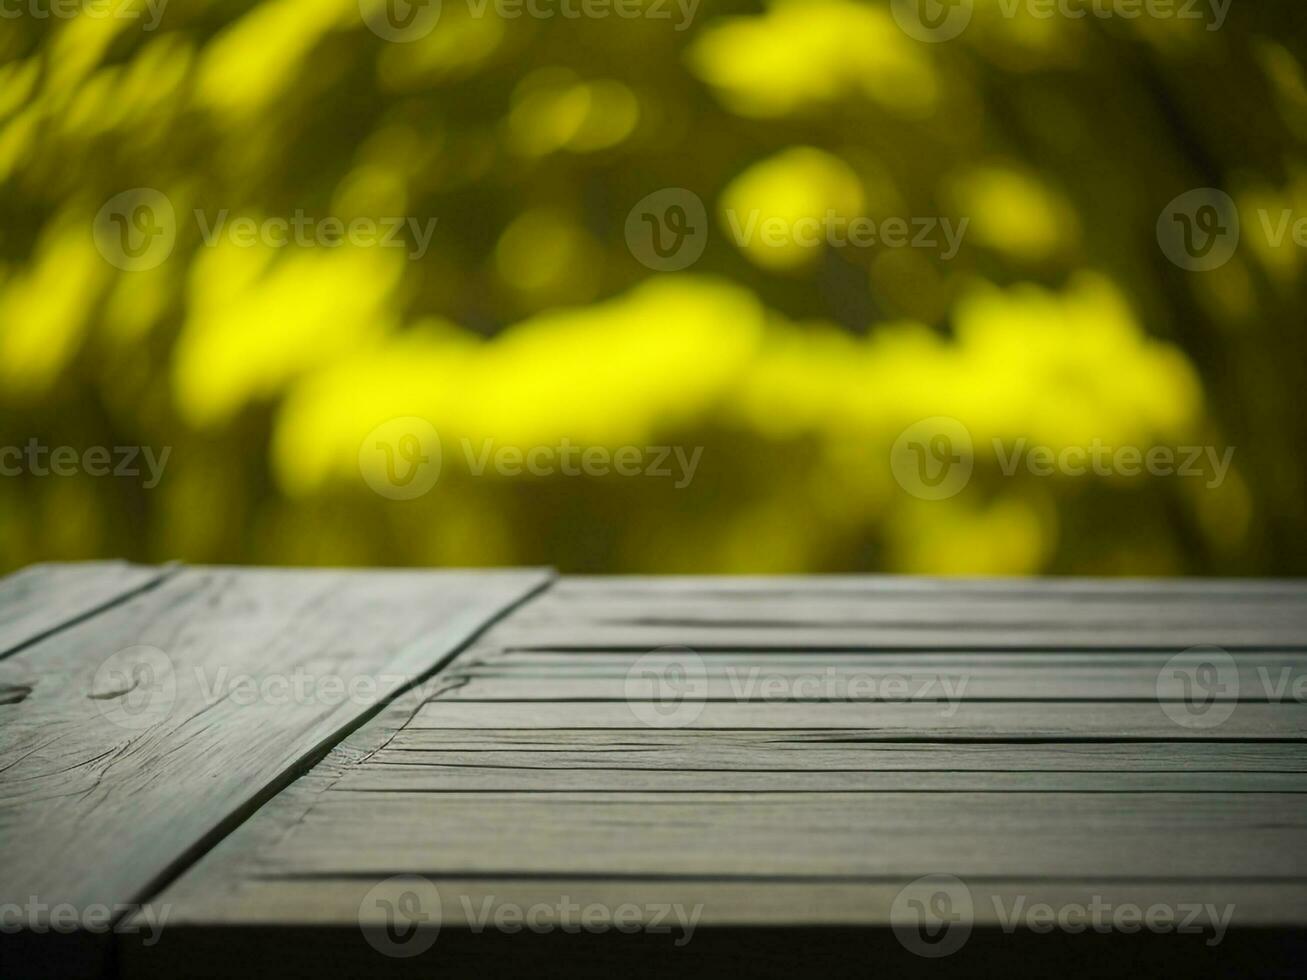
(532, 318)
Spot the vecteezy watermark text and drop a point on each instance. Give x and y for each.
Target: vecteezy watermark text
(667, 231)
(942, 235)
(1202, 462)
(35, 915)
(137, 230)
(934, 915)
(401, 916)
(934, 459)
(150, 10)
(402, 459)
(936, 21)
(39, 460)
(669, 687)
(305, 231)
(406, 21)
(566, 915)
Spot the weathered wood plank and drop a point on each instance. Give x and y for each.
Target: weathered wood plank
(1115, 635)
(656, 587)
(875, 613)
(41, 599)
(312, 855)
(531, 777)
(759, 684)
(920, 610)
(835, 835)
(335, 901)
(917, 721)
(489, 661)
(154, 725)
(391, 775)
(716, 750)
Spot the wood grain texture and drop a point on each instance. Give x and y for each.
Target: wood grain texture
(764, 635)
(715, 750)
(590, 587)
(42, 598)
(842, 737)
(157, 722)
(831, 613)
(1059, 772)
(425, 776)
(913, 721)
(764, 683)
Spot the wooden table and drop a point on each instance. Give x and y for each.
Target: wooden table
(225, 771)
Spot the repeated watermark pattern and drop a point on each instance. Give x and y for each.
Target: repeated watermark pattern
(401, 916)
(137, 231)
(37, 459)
(402, 458)
(148, 12)
(934, 459)
(937, 21)
(38, 916)
(934, 916)
(406, 21)
(667, 231)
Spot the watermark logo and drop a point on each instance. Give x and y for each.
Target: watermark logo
(932, 21)
(1199, 688)
(933, 915)
(136, 230)
(401, 21)
(401, 459)
(933, 459)
(135, 688)
(400, 917)
(1199, 230)
(667, 688)
(667, 231)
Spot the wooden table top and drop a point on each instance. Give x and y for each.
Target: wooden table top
(276, 772)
